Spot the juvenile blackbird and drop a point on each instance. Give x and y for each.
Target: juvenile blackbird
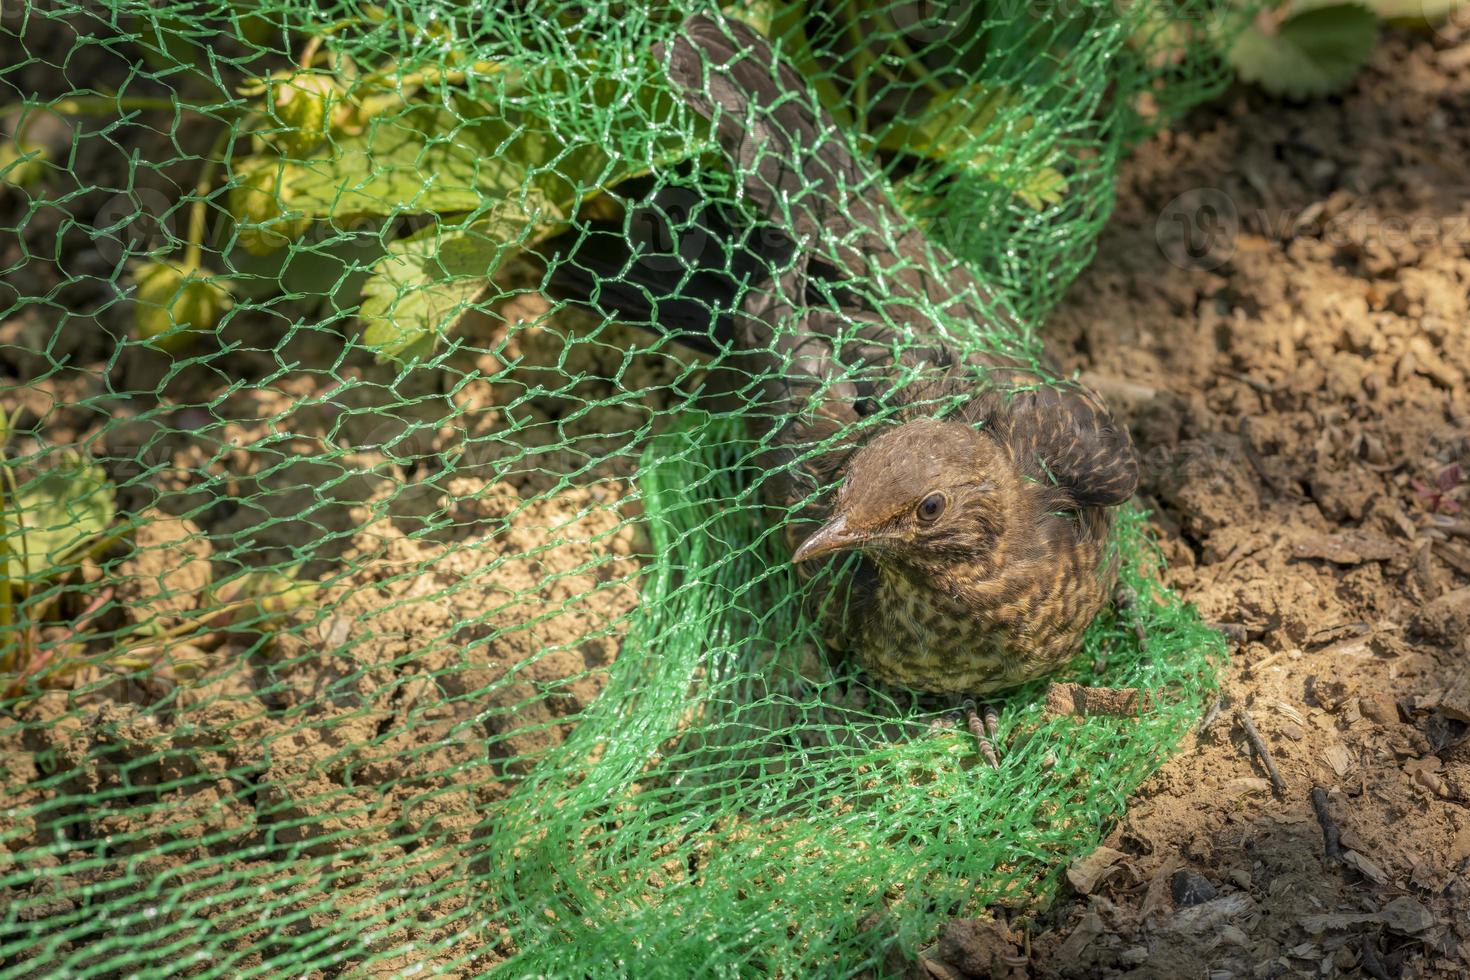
(978, 490)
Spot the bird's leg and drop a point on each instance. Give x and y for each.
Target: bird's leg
(983, 730)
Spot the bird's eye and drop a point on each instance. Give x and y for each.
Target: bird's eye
(931, 508)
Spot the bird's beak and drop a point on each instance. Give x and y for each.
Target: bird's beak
(833, 536)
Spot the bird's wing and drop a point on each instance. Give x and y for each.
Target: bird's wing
(1062, 433)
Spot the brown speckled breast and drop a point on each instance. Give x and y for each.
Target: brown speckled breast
(958, 633)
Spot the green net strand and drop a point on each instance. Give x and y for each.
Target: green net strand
(368, 610)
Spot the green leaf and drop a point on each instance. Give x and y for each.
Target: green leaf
(1042, 187)
(427, 281)
(412, 297)
(526, 183)
(51, 516)
(1313, 52)
(968, 127)
(420, 159)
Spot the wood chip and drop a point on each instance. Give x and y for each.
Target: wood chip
(1365, 867)
(1455, 703)
(1088, 872)
(1082, 701)
(1209, 917)
(1241, 785)
(1331, 921)
(1454, 556)
(1406, 915)
(938, 970)
(1330, 635)
(1430, 781)
(1070, 951)
(1157, 899)
(1281, 707)
(1338, 757)
(1351, 547)
(1402, 915)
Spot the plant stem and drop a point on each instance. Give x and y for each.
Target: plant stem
(7, 597)
(109, 105)
(188, 625)
(199, 210)
(431, 76)
(12, 490)
(913, 62)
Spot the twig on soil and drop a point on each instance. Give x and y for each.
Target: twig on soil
(1210, 715)
(1454, 528)
(1263, 387)
(1265, 662)
(1331, 836)
(1257, 464)
(1258, 746)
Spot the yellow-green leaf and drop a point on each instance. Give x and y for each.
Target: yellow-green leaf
(426, 282)
(1042, 187)
(52, 515)
(421, 159)
(967, 127)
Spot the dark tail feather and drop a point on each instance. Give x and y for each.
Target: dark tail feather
(675, 265)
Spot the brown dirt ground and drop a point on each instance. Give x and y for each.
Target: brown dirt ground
(1308, 449)
(1302, 410)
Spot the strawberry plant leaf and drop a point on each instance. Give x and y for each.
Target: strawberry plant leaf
(1313, 52)
(421, 159)
(965, 130)
(429, 280)
(54, 513)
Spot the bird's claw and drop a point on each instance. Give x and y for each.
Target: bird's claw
(983, 724)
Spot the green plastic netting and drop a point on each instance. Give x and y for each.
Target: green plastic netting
(367, 610)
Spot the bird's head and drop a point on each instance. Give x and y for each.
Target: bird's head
(926, 493)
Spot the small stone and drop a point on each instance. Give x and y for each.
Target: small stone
(1445, 619)
(1190, 889)
(1380, 708)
